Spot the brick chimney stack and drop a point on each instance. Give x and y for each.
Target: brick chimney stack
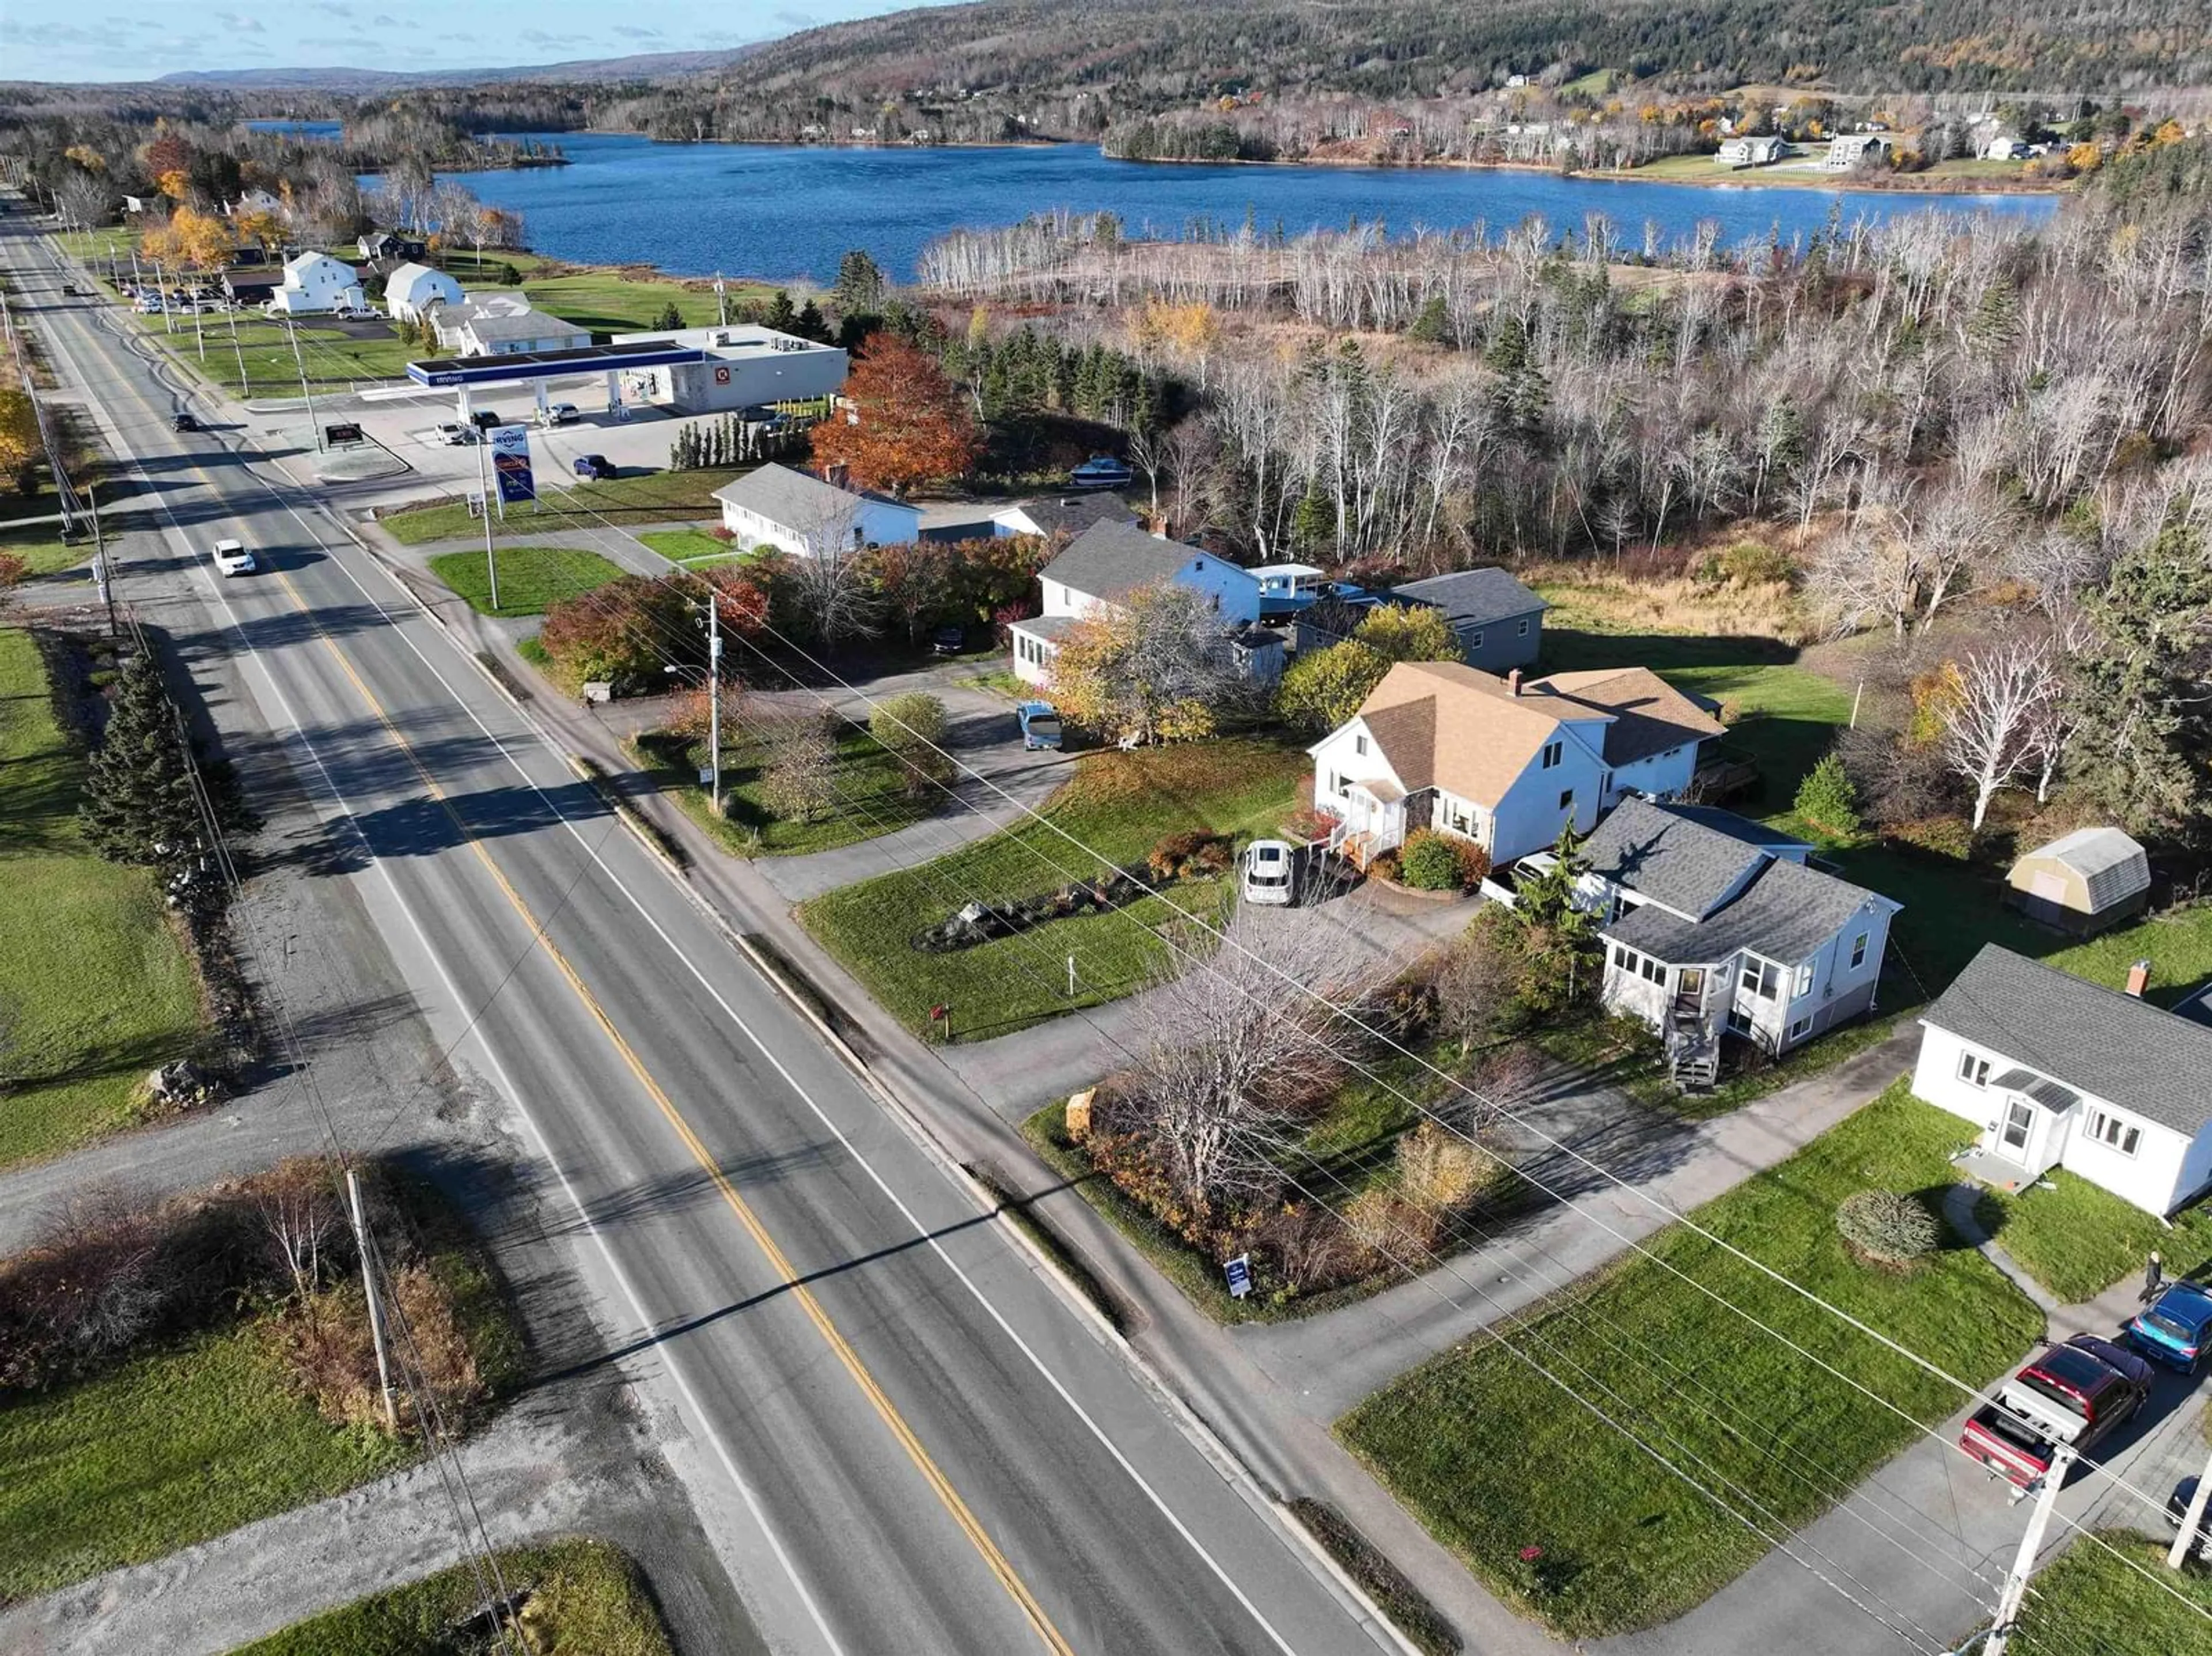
(2138, 979)
(1513, 682)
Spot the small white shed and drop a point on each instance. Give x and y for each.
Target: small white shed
(2093, 878)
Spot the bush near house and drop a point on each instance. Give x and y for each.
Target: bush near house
(1623, 1542)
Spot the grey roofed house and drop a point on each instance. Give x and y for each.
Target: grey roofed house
(1068, 514)
(1784, 914)
(1112, 558)
(1474, 598)
(2116, 1045)
(789, 496)
(488, 327)
(1687, 863)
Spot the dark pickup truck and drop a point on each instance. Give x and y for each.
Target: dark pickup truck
(2074, 1394)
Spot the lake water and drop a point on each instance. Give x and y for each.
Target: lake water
(784, 212)
(326, 130)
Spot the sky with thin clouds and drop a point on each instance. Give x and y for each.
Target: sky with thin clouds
(145, 39)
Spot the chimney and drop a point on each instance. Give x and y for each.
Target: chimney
(835, 474)
(1513, 682)
(2138, 979)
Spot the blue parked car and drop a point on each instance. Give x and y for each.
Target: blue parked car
(2177, 1330)
(1040, 724)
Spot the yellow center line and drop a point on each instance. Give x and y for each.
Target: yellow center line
(884, 1408)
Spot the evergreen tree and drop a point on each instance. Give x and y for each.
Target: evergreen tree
(812, 324)
(1313, 520)
(670, 320)
(139, 806)
(782, 314)
(860, 285)
(2145, 739)
(1432, 326)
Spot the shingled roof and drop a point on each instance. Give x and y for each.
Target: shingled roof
(1112, 558)
(2086, 1037)
(1784, 915)
(1474, 598)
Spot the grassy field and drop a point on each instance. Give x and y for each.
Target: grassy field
(2090, 1600)
(604, 300)
(531, 578)
(40, 548)
(2078, 1239)
(96, 988)
(171, 1448)
(647, 497)
(1625, 1542)
(686, 545)
(583, 1596)
(200, 1432)
(871, 787)
(1116, 803)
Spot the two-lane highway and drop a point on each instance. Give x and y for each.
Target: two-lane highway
(935, 1451)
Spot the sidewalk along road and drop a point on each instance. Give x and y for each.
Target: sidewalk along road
(936, 1451)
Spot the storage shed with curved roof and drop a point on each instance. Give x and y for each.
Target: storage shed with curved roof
(2093, 878)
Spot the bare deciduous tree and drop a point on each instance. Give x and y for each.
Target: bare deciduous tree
(2004, 690)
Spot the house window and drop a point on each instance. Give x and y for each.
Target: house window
(1337, 785)
(1524, 629)
(1567, 799)
(1858, 951)
(1622, 959)
(1797, 1030)
(1761, 978)
(1738, 1021)
(1804, 983)
(1475, 641)
(1973, 1070)
(1653, 972)
(2108, 1128)
(1456, 815)
(1553, 752)
(1360, 744)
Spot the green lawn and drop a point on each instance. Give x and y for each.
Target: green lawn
(584, 1596)
(641, 498)
(870, 789)
(1966, 174)
(2078, 1239)
(683, 545)
(1118, 804)
(332, 356)
(2089, 1600)
(531, 578)
(96, 988)
(177, 1446)
(605, 300)
(40, 548)
(1494, 1458)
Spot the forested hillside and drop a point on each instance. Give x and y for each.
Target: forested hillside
(1007, 67)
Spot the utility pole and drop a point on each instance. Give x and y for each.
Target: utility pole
(245, 388)
(99, 555)
(491, 559)
(721, 299)
(2014, 1594)
(2187, 1536)
(375, 1305)
(292, 333)
(714, 693)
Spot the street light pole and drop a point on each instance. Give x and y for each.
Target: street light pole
(491, 560)
(292, 333)
(714, 693)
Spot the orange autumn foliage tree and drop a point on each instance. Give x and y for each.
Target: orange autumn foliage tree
(906, 425)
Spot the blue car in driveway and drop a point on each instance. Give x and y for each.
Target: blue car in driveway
(2177, 1330)
(1040, 724)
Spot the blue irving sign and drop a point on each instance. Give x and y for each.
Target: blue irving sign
(510, 464)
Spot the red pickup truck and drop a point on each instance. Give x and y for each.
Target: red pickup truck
(2074, 1394)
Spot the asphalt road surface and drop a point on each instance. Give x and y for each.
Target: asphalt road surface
(931, 1450)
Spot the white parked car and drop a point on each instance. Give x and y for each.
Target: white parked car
(561, 413)
(454, 434)
(1268, 867)
(232, 558)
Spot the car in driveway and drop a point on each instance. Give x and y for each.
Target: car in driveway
(233, 558)
(2074, 1394)
(1100, 471)
(596, 467)
(1268, 867)
(2177, 1330)
(1039, 722)
(948, 640)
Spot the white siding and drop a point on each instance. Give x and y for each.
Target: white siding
(1529, 815)
(1662, 775)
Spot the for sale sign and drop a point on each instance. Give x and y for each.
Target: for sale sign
(510, 463)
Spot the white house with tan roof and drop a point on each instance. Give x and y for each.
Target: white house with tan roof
(1503, 762)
